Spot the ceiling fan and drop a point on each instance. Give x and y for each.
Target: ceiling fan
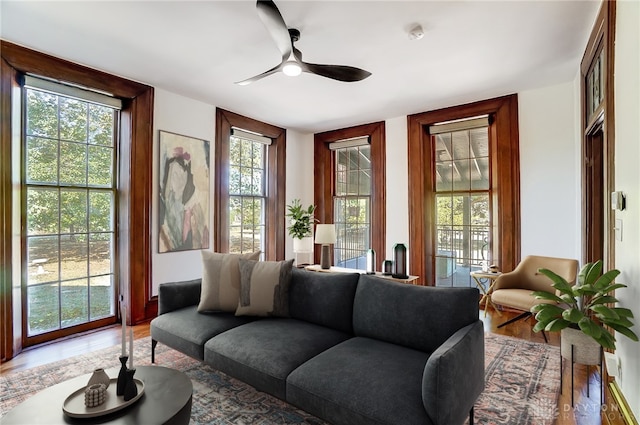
(292, 63)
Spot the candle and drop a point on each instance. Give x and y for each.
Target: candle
(123, 316)
(130, 348)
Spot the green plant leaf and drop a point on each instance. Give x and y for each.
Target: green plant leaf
(544, 295)
(604, 299)
(590, 273)
(590, 328)
(613, 287)
(623, 312)
(605, 312)
(572, 315)
(545, 306)
(622, 321)
(539, 326)
(606, 340)
(559, 282)
(625, 331)
(585, 289)
(606, 279)
(548, 314)
(568, 299)
(556, 325)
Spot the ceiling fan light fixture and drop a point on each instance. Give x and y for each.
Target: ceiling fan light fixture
(292, 69)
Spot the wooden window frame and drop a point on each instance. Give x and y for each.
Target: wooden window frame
(135, 181)
(505, 182)
(324, 179)
(275, 181)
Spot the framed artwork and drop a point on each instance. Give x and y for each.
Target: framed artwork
(183, 201)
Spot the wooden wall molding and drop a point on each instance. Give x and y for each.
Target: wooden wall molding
(134, 274)
(505, 179)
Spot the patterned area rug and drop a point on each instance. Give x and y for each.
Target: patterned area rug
(522, 385)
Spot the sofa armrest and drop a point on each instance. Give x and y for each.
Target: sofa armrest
(176, 295)
(453, 377)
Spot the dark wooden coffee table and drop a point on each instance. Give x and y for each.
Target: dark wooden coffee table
(166, 400)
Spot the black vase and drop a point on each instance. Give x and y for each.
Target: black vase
(131, 389)
(400, 261)
(122, 376)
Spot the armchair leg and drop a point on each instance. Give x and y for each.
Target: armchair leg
(153, 350)
(515, 319)
(471, 416)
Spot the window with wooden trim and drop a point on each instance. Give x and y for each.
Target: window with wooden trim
(249, 191)
(502, 201)
(350, 191)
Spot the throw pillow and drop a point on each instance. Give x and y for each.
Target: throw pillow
(264, 288)
(221, 280)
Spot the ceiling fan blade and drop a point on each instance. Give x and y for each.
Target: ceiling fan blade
(272, 19)
(260, 76)
(336, 72)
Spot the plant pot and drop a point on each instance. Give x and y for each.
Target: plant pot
(303, 245)
(99, 377)
(585, 349)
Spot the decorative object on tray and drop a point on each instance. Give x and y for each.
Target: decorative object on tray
(131, 389)
(74, 405)
(99, 377)
(122, 376)
(94, 395)
(400, 257)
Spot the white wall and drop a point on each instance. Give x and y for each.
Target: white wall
(181, 115)
(627, 180)
(299, 175)
(397, 177)
(549, 172)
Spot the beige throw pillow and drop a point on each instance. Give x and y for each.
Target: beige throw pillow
(264, 288)
(221, 280)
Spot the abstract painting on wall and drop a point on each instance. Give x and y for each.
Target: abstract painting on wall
(183, 201)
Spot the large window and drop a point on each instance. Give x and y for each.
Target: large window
(462, 199)
(352, 202)
(131, 265)
(69, 162)
(464, 194)
(249, 191)
(350, 191)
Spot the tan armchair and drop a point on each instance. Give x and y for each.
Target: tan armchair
(514, 289)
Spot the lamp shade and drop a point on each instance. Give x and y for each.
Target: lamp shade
(325, 234)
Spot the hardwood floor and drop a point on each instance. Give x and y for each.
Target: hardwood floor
(586, 410)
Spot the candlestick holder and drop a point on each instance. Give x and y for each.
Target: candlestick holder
(122, 376)
(131, 390)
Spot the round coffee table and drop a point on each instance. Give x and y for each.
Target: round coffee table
(166, 400)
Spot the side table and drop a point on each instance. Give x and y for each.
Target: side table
(166, 400)
(489, 277)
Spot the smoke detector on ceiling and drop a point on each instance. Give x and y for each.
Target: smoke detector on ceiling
(416, 32)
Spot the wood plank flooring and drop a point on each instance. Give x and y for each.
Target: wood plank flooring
(586, 410)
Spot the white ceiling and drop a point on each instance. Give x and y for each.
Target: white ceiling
(471, 50)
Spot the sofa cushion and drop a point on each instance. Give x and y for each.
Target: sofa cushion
(264, 352)
(221, 280)
(186, 330)
(362, 381)
(264, 288)
(323, 298)
(420, 317)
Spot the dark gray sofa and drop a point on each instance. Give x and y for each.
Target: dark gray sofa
(356, 349)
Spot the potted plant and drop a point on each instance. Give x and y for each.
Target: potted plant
(301, 226)
(582, 312)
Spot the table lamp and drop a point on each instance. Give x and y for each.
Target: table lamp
(325, 235)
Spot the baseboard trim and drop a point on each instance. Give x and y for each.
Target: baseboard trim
(625, 410)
